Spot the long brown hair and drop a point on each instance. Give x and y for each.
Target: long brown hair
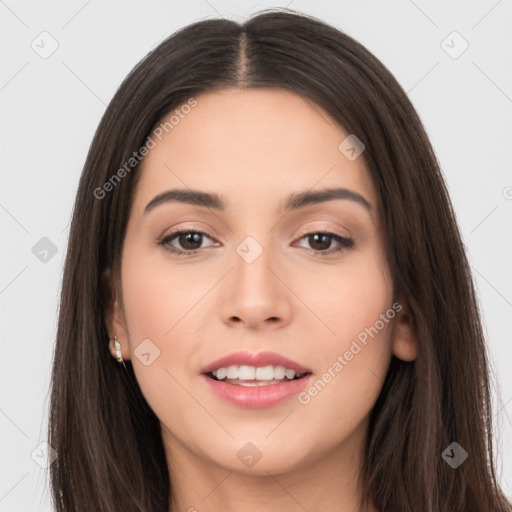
(108, 440)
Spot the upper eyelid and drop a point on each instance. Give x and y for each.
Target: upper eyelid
(308, 230)
(180, 231)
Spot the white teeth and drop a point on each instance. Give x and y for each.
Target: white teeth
(265, 373)
(221, 373)
(279, 372)
(232, 372)
(246, 373)
(251, 373)
(289, 374)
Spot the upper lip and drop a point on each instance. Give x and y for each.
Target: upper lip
(258, 359)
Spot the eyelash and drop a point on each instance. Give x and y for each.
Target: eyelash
(345, 243)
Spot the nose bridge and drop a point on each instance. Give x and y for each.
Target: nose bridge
(251, 272)
(255, 294)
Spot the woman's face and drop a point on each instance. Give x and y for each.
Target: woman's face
(259, 278)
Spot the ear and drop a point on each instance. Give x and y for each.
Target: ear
(114, 315)
(405, 342)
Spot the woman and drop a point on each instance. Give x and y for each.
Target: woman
(221, 347)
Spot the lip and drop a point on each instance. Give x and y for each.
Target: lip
(255, 397)
(258, 359)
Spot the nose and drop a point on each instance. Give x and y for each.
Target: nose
(256, 295)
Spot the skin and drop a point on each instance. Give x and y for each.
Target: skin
(197, 308)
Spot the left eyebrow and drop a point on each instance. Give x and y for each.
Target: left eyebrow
(307, 198)
(295, 201)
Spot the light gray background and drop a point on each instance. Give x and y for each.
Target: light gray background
(50, 109)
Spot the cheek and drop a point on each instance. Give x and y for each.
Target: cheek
(157, 296)
(353, 353)
(347, 299)
(159, 309)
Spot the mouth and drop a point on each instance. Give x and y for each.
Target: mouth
(255, 381)
(252, 376)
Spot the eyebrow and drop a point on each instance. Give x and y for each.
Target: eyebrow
(294, 202)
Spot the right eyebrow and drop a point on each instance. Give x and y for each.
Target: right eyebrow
(194, 197)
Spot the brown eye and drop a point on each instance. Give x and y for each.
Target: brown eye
(189, 242)
(320, 242)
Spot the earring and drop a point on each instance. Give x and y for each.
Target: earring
(117, 345)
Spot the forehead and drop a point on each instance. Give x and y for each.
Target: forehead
(255, 145)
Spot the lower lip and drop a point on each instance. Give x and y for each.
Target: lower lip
(256, 397)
